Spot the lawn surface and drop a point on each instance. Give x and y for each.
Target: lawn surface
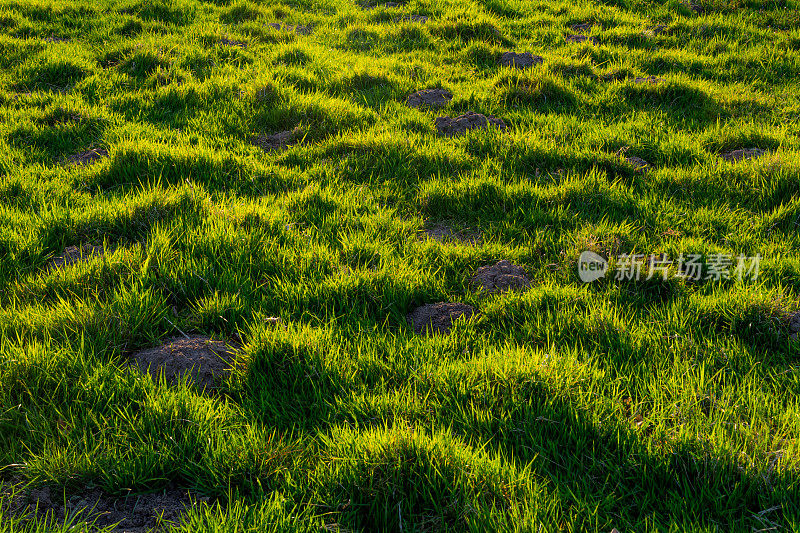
(141, 133)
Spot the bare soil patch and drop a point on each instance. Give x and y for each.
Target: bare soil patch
(523, 60)
(578, 38)
(372, 5)
(300, 29)
(73, 254)
(429, 98)
(232, 42)
(582, 27)
(438, 318)
(422, 19)
(444, 233)
(652, 80)
(503, 276)
(470, 120)
(278, 141)
(203, 360)
(129, 514)
(742, 153)
(658, 29)
(638, 164)
(88, 157)
(794, 326)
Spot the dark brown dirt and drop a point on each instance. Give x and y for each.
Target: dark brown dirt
(614, 75)
(501, 277)
(203, 360)
(429, 98)
(583, 27)
(131, 514)
(300, 29)
(794, 326)
(422, 19)
(231, 42)
(694, 6)
(73, 254)
(373, 5)
(88, 157)
(444, 233)
(278, 141)
(743, 153)
(523, 60)
(438, 318)
(577, 38)
(638, 164)
(652, 80)
(470, 120)
(656, 30)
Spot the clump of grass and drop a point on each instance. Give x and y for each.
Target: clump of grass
(271, 188)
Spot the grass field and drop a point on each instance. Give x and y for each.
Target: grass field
(143, 132)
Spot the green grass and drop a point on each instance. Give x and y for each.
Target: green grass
(649, 406)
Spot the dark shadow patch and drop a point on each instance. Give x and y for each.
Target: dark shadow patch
(361, 40)
(542, 92)
(681, 102)
(164, 11)
(277, 388)
(470, 31)
(293, 56)
(51, 74)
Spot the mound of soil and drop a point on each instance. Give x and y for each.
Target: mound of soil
(429, 98)
(373, 5)
(231, 42)
(652, 80)
(743, 153)
(523, 60)
(577, 38)
(794, 326)
(656, 30)
(438, 317)
(638, 164)
(501, 277)
(73, 254)
(203, 360)
(470, 120)
(300, 29)
(131, 514)
(694, 6)
(422, 19)
(583, 27)
(88, 157)
(444, 233)
(278, 141)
